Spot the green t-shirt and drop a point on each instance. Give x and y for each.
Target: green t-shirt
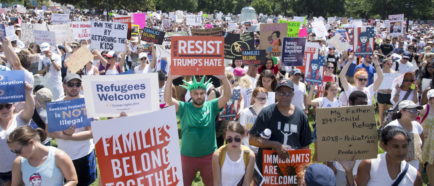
(198, 128)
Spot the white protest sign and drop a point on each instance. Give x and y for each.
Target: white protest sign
(319, 28)
(10, 33)
(59, 18)
(108, 36)
(80, 30)
(194, 20)
(340, 44)
(44, 36)
(299, 19)
(27, 31)
(63, 33)
(108, 96)
(397, 17)
(357, 23)
(179, 15)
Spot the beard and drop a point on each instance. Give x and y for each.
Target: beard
(198, 102)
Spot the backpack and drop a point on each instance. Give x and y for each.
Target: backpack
(222, 154)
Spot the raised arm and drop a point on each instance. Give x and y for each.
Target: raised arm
(342, 76)
(11, 56)
(379, 79)
(168, 98)
(227, 91)
(29, 106)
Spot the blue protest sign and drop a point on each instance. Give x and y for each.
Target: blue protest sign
(12, 86)
(64, 114)
(293, 51)
(2, 31)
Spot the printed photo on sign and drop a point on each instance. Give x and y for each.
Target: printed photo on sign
(108, 36)
(108, 96)
(396, 28)
(12, 86)
(62, 115)
(364, 41)
(235, 44)
(139, 150)
(311, 53)
(271, 38)
(197, 55)
(293, 51)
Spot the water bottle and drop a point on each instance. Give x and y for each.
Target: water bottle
(266, 134)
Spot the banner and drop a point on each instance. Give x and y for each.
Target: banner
(271, 38)
(153, 36)
(346, 133)
(44, 36)
(62, 115)
(364, 41)
(139, 150)
(256, 57)
(80, 30)
(218, 31)
(293, 27)
(293, 51)
(314, 66)
(235, 44)
(276, 171)
(197, 55)
(108, 96)
(139, 19)
(397, 17)
(193, 20)
(108, 36)
(12, 86)
(63, 33)
(77, 60)
(59, 18)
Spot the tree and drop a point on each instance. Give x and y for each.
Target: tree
(262, 6)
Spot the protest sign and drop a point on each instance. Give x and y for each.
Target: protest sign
(2, 31)
(303, 32)
(109, 96)
(396, 17)
(302, 20)
(197, 55)
(363, 41)
(135, 30)
(179, 16)
(126, 20)
(44, 36)
(271, 37)
(311, 56)
(347, 132)
(77, 60)
(276, 171)
(139, 19)
(167, 38)
(319, 29)
(59, 18)
(396, 28)
(153, 36)
(236, 43)
(339, 43)
(315, 70)
(62, 115)
(12, 86)
(293, 51)
(218, 31)
(63, 33)
(293, 27)
(139, 150)
(27, 32)
(108, 36)
(80, 30)
(256, 57)
(193, 20)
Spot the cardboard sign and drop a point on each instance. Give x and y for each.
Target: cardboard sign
(346, 132)
(197, 55)
(59, 18)
(218, 31)
(12, 86)
(293, 27)
(153, 36)
(235, 44)
(44, 36)
(256, 57)
(193, 20)
(276, 171)
(77, 60)
(63, 33)
(364, 41)
(109, 96)
(108, 36)
(139, 19)
(62, 115)
(293, 51)
(80, 30)
(396, 28)
(271, 38)
(139, 150)
(396, 17)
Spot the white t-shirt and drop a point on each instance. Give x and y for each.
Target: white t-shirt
(387, 80)
(401, 96)
(232, 171)
(53, 75)
(324, 102)
(299, 92)
(145, 70)
(403, 68)
(6, 156)
(369, 91)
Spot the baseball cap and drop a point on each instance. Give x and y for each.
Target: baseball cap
(406, 55)
(44, 95)
(287, 83)
(143, 54)
(319, 175)
(70, 77)
(430, 93)
(110, 54)
(295, 71)
(44, 47)
(408, 104)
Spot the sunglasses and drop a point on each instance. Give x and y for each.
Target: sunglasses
(73, 84)
(261, 99)
(413, 111)
(330, 67)
(408, 80)
(284, 93)
(361, 79)
(230, 139)
(18, 151)
(7, 106)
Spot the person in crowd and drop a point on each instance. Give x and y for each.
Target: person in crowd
(300, 92)
(269, 65)
(406, 91)
(267, 80)
(384, 93)
(361, 80)
(53, 77)
(406, 118)
(333, 57)
(390, 168)
(9, 121)
(424, 81)
(77, 142)
(318, 175)
(329, 76)
(90, 69)
(233, 107)
(233, 163)
(112, 67)
(236, 64)
(144, 66)
(369, 68)
(405, 65)
(198, 126)
(427, 121)
(386, 48)
(37, 163)
(288, 124)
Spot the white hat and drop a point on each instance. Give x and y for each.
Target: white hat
(44, 47)
(143, 54)
(408, 104)
(430, 93)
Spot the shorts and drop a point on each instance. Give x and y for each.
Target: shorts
(5, 177)
(384, 98)
(86, 169)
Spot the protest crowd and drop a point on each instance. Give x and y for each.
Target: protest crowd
(153, 98)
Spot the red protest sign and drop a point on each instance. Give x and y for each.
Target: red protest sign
(276, 171)
(197, 55)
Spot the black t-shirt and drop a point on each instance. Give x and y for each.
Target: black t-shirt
(386, 48)
(293, 131)
(333, 59)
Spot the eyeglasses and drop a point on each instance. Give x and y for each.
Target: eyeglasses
(284, 93)
(17, 152)
(261, 98)
(7, 106)
(362, 79)
(408, 80)
(74, 84)
(413, 111)
(230, 139)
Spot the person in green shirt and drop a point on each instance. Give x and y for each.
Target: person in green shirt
(198, 141)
